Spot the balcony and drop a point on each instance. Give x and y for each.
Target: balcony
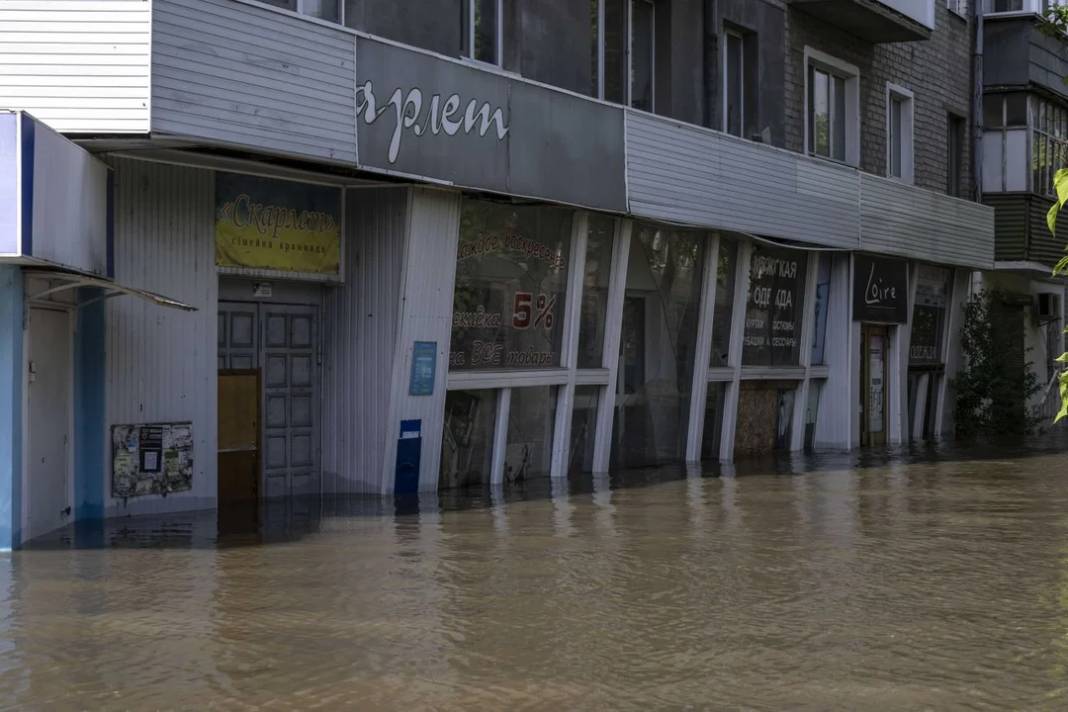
(876, 20)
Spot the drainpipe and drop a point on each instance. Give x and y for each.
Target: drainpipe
(977, 104)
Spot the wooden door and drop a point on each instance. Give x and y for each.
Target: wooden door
(875, 342)
(239, 435)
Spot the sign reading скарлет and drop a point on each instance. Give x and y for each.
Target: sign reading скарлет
(286, 226)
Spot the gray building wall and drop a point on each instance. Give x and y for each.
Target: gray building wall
(936, 70)
(428, 24)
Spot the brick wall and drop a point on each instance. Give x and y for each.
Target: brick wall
(937, 71)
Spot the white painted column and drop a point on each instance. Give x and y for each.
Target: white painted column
(617, 287)
(808, 330)
(835, 426)
(500, 436)
(703, 352)
(734, 354)
(898, 369)
(565, 394)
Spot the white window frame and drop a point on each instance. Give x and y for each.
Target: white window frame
(908, 153)
(302, 5)
(958, 7)
(469, 50)
(851, 74)
(630, 54)
(741, 38)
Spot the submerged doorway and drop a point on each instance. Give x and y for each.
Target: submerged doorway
(279, 342)
(874, 345)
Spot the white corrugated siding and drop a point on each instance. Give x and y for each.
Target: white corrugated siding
(683, 173)
(161, 363)
(81, 66)
(360, 336)
(250, 76)
(902, 220)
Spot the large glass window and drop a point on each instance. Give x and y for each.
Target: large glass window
(722, 315)
(765, 416)
(929, 315)
(511, 283)
(642, 54)
(774, 307)
(659, 332)
(812, 410)
(595, 291)
(531, 419)
(826, 113)
(1050, 143)
(710, 439)
(608, 55)
(899, 138)
(583, 428)
(467, 442)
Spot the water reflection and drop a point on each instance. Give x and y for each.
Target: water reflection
(886, 580)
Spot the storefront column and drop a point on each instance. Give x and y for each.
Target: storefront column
(901, 339)
(734, 357)
(837, 425)
(945, 422)
(808, 330)
(90, 373)
(11, 356)
(565, 394)
(703, 353)
(617, 288)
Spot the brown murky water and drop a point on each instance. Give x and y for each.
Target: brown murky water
(898, 584)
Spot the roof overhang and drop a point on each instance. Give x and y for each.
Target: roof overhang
(71, 280)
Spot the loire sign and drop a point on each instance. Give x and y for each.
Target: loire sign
(880, 289)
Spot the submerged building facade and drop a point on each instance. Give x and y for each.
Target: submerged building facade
(377, 247)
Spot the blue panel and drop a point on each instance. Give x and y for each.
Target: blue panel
(89, 404)
(10, 406)
(28, 138)
(9, 243)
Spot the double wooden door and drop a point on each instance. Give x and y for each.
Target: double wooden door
(279, 343)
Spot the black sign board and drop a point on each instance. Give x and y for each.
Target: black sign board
(773, 311)
(880, 289)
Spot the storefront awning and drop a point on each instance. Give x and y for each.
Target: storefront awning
(70, 280)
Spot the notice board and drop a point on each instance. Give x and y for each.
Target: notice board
(151, 458)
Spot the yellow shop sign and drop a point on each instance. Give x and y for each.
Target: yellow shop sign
(263, 223)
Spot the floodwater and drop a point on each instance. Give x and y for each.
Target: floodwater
(895, 581)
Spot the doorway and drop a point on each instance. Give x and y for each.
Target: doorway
(875, 341)
(49, 395)
(280, 343)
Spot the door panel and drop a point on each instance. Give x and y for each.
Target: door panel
(48, 464)
(875, 342)
(239, 436)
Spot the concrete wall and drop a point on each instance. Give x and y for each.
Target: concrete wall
(936, 70)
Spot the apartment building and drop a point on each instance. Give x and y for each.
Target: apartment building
(392, 247)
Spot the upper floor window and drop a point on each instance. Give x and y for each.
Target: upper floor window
(955, 134)
(608, 54)
(1036, 6)
(959, 7)
(1049, 147)
(734, 83)
(899, 159)
(322, 9)
(482, 24)
(642, 54)
(832, 115)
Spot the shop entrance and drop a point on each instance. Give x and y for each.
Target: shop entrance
(875, 341)
(48, 477)
(279, 344)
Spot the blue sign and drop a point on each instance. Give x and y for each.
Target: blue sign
(424, 368)
(9, 243)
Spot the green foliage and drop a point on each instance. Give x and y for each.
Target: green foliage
(995, 382)
(1060, 182)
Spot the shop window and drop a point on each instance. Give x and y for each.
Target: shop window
(812, 411)
(774, 307)
(765, 417)
(583, 428)
(531, 420)
(714, 404)
(643, 55)
(899, 159)
(467, 442)
(955, 133)
(722, 315)
(660, 314)
(833, 111)
(511, 284)
(608, 53)
(600, 238)
(482, 27)
(929, 315)
(823, 295)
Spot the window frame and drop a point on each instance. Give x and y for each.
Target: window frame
(652, 53)
(955, 150)
(727, 34)
(835, 67)
(904, 97)
(958, 8)
(468, 52)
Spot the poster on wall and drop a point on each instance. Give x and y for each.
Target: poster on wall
(772, 335)
(151, 458)
(511, 283)
(880, 290)
(265, 223)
